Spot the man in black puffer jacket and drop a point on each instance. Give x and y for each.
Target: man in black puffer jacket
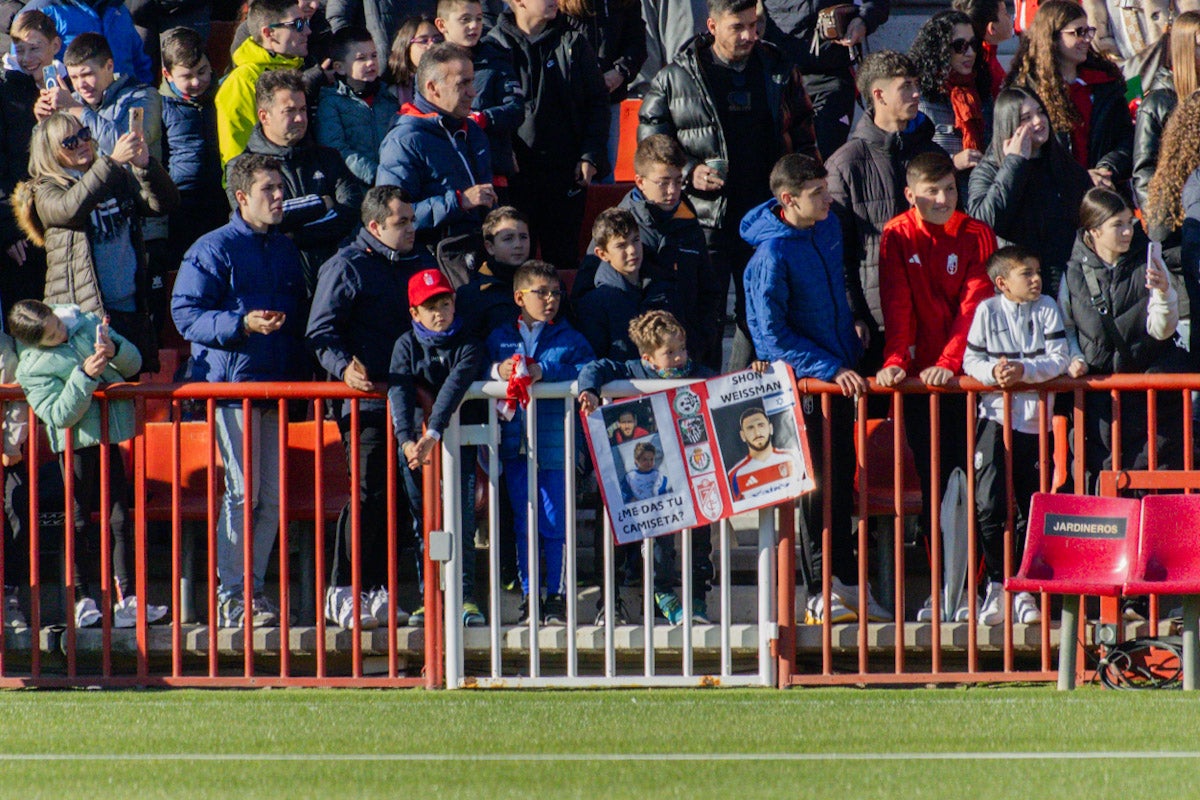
(718, 99)
(826, 63)
(562, 143)
(321, 198)
(867, 180)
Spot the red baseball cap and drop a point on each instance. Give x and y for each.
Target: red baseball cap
(426, 284)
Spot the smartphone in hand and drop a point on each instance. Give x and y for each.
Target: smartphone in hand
(102, 330)
(137, 118)
(1153, 260)
(50, 77)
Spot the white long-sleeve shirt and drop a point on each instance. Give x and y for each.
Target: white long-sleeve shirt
(1029, 333)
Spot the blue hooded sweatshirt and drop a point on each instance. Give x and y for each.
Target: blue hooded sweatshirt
(796, 303)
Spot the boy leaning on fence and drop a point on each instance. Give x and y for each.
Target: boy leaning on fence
(1015, 337)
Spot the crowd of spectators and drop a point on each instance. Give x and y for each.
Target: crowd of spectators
(889, 216)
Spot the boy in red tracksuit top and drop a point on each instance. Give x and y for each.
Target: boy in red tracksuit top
(932, 275)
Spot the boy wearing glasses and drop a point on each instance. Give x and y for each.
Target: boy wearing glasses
(547, 349)
(278, 40)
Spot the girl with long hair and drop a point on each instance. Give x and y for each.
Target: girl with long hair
(1028, 188)
(1176, 80)
(414, 37)
(955, 92)
(1083, 92)
(86, 210)
(993, 24)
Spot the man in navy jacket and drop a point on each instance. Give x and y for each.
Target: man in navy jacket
(356, 318)
(239, 299)
(437, 153)
(798, 312)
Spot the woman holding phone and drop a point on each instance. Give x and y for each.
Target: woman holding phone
(1120, 311)
(86, 210)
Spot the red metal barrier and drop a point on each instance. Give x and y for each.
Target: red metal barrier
(300, 651)
(907, 652)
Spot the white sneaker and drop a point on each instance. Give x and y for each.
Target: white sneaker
(1025, 609)
(13, 617)
(339, 609)
(959, 614)
(375, 602)
(86, 613)
(125, 612)
(814, 612)
(849, 595)
(992, 610)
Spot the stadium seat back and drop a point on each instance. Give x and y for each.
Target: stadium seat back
(1078, 545)
(1168, 555)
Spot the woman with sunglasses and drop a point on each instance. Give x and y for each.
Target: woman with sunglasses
(414, 38)
(1083, 92)
(955, 93)
(86, 210)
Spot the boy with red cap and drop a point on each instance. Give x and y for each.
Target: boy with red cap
(439, 356)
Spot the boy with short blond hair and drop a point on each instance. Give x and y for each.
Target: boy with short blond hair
(621, 290)
(1016, 336)
(550, 350)
(663, 353)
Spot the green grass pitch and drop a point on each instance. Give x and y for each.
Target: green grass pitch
(499, 744)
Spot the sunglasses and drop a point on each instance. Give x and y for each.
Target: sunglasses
(960, 46)
(1082, 32)
(436, 38)
(298, 24)
(544, 294)
(81, 136)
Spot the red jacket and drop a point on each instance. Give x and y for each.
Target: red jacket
(931, 278)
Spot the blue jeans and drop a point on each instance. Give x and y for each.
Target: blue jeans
(264, 435)
(551, 531)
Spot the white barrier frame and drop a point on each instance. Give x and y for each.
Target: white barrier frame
(488, 436)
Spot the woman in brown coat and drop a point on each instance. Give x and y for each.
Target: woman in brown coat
(86, 210)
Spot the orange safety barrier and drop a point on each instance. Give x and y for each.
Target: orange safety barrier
(177, 477)
(908, 652)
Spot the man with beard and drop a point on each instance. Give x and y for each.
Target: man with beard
(764, 464)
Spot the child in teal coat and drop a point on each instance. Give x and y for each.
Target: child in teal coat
(65, 355)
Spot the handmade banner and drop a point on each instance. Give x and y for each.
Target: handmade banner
(673, 460)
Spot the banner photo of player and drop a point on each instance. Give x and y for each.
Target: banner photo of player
(758, 433)
(673, 460)
(650, 496)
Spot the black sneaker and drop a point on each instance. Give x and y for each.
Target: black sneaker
(523, 611)
(620, 613)
(554, 610)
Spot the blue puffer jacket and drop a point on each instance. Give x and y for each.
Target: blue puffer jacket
(796, 304)
(355, 129)
(225, 275)
(561, 352)
(358, 307)
(604, 312)
(422, 155)
(107, 17)
(500, 101)
(189, 136)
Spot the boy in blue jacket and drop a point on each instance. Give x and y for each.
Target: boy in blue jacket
(438, 354)
(553, 351)
(798, 312)
(662, 343)
(189, 140)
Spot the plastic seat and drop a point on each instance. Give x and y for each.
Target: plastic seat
(1168, 562)
(1077, 545)
(881, 500)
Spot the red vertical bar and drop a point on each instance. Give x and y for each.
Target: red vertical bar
(1008, 528)
(864, 521)
(210, 437)
(392, 476)
(1152, 466)
(319, 533)
(439, 629)
(826, 536)
(898, 444)
(139, 538)
(106, 566)
(935, 530)
(285, 649)
(35, 580)
(248, 483)
(1188, 455)
(1115, 431)
(69, 545)
(356, 540)
(430, 482)
(1046, 477)
(1078, 425)
(176, 540)
(972, 543)
(785, 645)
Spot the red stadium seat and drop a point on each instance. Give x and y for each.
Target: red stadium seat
(881, 473)
(1168, 562)
(1077, 545)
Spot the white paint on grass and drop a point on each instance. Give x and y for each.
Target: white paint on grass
(627, 757)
